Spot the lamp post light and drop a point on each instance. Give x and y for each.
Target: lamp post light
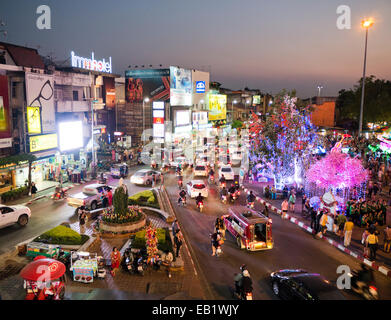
(367, 23)
(320, 87)
(232, 113)
(144, 100)
(247, 102)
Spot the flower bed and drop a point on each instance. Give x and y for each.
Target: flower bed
(15, 194)
(131, 222)
(134, 214)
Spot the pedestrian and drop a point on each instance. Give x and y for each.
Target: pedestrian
(178, 240)
(274, 193)
(33, 190)
(222, 227)
(284, 207)
(341, 220)
(323, 221)
(372, 241)
(292, 200)
(313, 218)
(167, 260)
(175, 227)
(115, 260)
(364, 237)
(82, 219)
(110, 197)
(348, 229)
(215, 238)
(387, 239)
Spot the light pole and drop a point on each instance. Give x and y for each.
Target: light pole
(319, 88)
(144, 100)
(367, 23)
(248, 101)
(232, 113)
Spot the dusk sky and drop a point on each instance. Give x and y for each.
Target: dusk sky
(262, 44)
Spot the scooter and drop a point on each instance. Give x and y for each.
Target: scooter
(200, 206)
(182, 201)
(59, 194)
(219, 251)
(224, 199)
(250, 205)
(367, 291)
(180, 183)
(211, 179)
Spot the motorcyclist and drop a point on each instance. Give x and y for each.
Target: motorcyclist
(127, 259)
(199, 199)
(364, 276)
(250, 197)
(222, 179)
(223, 192)
(232, 190)
(211, 172)
(179, 171)
(246, 283)
(182, 196)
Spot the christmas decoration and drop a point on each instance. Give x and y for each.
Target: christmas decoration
(151, 243)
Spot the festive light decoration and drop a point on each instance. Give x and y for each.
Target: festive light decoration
(151, 243)
(283, 142)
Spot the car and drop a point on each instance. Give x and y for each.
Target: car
(200, 170)
(10, 215)
(227, 172)
(90, 197)
(145, 176)
(298, 284)
(194, 187)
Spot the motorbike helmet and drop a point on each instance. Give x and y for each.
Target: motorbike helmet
(246, 273)
(243, 267)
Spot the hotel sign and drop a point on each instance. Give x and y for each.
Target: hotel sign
(91, 63)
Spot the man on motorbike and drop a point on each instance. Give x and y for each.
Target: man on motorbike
(211, 173)
(199, 199)
(180, 181)
(250, 197)
(182, 196)
(231, 191)
(246, 284)
(222, 180)
(364, 276)
(223, 192)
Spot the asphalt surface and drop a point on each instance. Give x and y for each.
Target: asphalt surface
(47, 213)
(293, 248)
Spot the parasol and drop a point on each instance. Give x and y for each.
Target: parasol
(43, 270)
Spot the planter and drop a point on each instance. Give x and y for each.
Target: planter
(123, 227)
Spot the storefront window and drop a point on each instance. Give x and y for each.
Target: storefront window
(5, 179)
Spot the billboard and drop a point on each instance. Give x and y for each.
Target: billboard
(151, 83)
(217, 107)
(43, 142)
(5, 131)
(181, 87)
(40, 93)
(71, 135)
(33, 120)
(256, 100)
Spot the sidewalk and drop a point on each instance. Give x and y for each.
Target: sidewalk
(383, 260)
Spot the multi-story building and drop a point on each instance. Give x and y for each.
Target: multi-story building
(323, 114)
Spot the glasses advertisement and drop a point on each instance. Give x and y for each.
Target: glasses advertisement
(71, 135)
(151, 83)
(181, 87)
(33, 120)
(217, 107)
(5, 131)
(43, 142)
(40, 93)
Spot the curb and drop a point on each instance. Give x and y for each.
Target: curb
(384, 270)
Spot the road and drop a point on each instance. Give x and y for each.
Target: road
(293, 248)
(47, 214)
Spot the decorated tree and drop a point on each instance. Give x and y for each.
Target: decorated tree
(151, 243)
(120, 201)
(282, 142)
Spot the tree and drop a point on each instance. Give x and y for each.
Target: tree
(282, 143)
(120, 201)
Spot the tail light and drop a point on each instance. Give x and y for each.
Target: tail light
(373, 288)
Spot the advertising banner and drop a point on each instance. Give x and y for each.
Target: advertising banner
(217, 107)
(151, 83)
(200, 118)
(109, 87)
(33, 120)
(40, 93)
(181, 87)
(43, 142)
(256, 100)
(5, 131)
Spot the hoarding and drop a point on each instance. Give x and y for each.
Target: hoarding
(200, 86)
(180, 87)
(256, 100)
(217, 107)
(33, 120)
(43, 142)
(71, 135)
(40, 93)
(5, 131)
(200, 118)
(151, 83)
(182, 118)
(91, 64)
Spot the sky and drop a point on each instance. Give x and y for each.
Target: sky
(262, 44)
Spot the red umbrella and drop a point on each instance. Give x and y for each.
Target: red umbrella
(39, 257)
(43, 270)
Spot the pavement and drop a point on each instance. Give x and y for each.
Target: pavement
(355, 249)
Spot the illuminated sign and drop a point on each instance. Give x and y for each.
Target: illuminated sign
(200, 86)
(159, 105)
(256, 100)
(217, 107)
(43, 142)
(33, 120)
(71, 135)
(91, 64)
(158, 121)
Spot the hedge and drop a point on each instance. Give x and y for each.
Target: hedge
(15, 193)
(145, 198)
(62, 235)
(163, 236)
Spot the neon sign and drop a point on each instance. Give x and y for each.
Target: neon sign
(91, 64)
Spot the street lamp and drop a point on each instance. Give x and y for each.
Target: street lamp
(367, 23)
(247, 101)
(320, 87)
(144, 100)
(232, 113)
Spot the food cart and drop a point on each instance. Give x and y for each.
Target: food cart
(44, 279)
(84, 266)
(119, 170)
(35, 249)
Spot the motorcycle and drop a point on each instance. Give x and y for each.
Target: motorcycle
(222, 185)
(233, 196)
(246, 296)
(180, 183)
(367, 290)
(59, 194)
(224, 199)
(200, 206)
(219, 251)
(182, 201)
(250, 205)
(211, 179)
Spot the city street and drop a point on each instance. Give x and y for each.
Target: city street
(293, 248)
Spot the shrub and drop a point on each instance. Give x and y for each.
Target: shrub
(62, 235)
(164, 240)
(145, 198)
(15, 193)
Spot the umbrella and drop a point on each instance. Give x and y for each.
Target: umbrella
(43, 270)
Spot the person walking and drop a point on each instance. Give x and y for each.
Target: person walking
(175, 227)
(323, 222)
(33, 190)
(82, 219)
(364, 237)
(110, 197)
(292, 201)
(313, 218)
(274, 193)
(372, 241)
(341, 220)
(348, 229)
(284, 207)
(178, 240)
(115, 260)
(387, 239)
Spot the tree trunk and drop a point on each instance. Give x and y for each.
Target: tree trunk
(30, 165)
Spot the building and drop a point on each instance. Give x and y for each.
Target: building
(323, 114)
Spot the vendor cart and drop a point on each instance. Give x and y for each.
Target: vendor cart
(35, 249)
(84, 266)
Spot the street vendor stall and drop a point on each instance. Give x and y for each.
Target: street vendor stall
(84, 266)
(35, 249)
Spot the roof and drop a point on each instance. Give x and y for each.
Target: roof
(23, 56)
(254, 218)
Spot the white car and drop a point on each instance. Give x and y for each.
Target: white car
(145, 176)
(195, 187)
(200, 170)
(14, 214)
(227, 172)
